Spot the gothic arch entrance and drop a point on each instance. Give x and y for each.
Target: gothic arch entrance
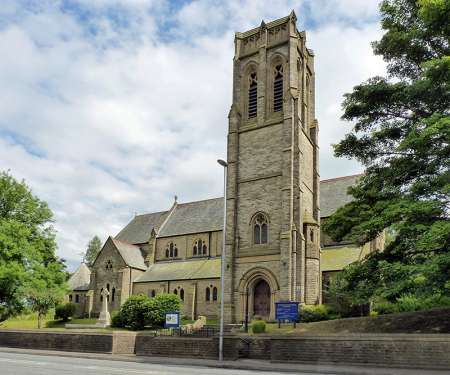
(258, 289)
(261, 299)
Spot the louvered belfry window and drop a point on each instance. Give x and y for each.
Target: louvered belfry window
(278, 89)
(252, 95)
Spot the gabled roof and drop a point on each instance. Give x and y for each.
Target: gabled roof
(333, 193)
(80, 279)
(140, 228)
(194, 217)
(182, 270)
(131, 254)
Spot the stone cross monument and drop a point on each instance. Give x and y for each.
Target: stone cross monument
(104, 319)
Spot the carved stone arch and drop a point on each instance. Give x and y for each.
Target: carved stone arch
(246, 288)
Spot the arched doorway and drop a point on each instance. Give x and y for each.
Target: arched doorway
(261, 299)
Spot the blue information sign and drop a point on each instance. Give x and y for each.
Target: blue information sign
(286, 311)
(172, 319)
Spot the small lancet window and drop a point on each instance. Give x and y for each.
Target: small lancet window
(200, 248)
(172, 250)
(101, 295)
(311, 235)
(252, 95)
(260, 230)
(208, 294)
(182, 294)
(278, 89)
(175, 292)
(113, 294)
(214, 294)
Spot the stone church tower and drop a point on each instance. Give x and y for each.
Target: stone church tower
(273, 221)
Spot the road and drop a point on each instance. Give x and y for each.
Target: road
(26, 364)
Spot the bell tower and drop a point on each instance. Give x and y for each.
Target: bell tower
(272, 230)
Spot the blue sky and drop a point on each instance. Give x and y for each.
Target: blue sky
(111, 107)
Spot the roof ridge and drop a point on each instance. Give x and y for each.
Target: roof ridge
(342, 177)
(152, 213)
(201, 200)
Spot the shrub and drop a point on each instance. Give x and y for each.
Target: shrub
(383, 308)
(65, 311)
(314, 313)
(160, 305)
(258, 326)
(408, 302)
(134, 311)
(116, 320)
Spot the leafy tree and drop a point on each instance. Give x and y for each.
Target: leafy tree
(28, 263)
(401, 134)
(93, 248)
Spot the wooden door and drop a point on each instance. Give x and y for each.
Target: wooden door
(261, 299)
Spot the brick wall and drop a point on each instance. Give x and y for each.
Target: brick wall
(396, 350)
(176, 346)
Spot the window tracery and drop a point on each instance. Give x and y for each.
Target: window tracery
(260, 229)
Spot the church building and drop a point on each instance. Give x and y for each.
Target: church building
(275, 202)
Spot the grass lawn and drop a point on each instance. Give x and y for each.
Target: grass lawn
(30, 321)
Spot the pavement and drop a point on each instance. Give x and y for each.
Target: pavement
(44, 362)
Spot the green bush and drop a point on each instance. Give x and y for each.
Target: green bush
(314, 313)
(258, 326)
(410, 302)
(134, 311)
(116, 320)
(160, 305)
(140, 311)
(383, 308)
(65, 311)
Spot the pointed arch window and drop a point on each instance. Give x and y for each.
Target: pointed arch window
(214, 294)
(113, 294)
(171, 250)
(260, 229)
(278, 88)
(175, 292)
(252, 95)
(101, 295)
(200, 248)
(208, 294)
(182, 294)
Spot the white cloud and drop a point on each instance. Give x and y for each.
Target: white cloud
(105, 117)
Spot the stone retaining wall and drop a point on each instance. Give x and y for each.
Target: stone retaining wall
(394, 350)
(90, 342)
(176, 346)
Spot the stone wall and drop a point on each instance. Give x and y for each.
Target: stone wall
(111, 342)
(149, 345)
(395, 350)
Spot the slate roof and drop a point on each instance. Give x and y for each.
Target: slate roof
(207, 215)
(131, 254)
(194, 217)
(140, 228)
(333, 193)
(182, 270)
(80, 279)
(335, 259)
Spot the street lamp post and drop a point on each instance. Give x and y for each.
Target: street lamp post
(224, 164)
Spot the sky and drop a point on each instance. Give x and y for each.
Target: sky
(109, 108)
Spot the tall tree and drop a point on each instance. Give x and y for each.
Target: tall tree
(401, 134)
(93, 248)
(27, 246)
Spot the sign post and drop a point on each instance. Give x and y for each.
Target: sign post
(286, 311)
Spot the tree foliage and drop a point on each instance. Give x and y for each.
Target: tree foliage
(401, 134)
(30, 271)
(93, 248)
